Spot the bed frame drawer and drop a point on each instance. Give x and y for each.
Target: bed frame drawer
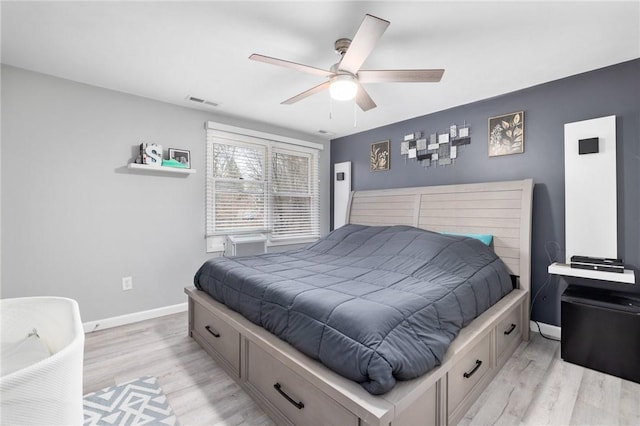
(218, 336)
(464, 376)
(508, 330)
(289, 394)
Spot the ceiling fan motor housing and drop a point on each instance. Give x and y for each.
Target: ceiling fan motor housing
(341, 45)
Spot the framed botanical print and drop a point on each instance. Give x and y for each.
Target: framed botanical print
(506, 134)
(380, 156)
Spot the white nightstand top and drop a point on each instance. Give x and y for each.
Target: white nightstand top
(627, 277)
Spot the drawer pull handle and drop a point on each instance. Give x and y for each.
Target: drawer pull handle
(473, 370)
(208, 328)
(510, 330)
(299, 405)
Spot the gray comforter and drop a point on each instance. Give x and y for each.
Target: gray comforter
(375, 304)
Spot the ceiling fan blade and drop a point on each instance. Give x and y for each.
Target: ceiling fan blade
(363, 99)
(400, 76)
(307, 93)
(293, 65)
(363, 42)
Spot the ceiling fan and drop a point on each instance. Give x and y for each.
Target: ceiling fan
(345, 77)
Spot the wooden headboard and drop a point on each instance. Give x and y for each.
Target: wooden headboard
(502, 209)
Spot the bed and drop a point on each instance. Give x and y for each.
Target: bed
(295, 388)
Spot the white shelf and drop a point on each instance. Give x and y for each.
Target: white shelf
(173, 170)
(627, 276)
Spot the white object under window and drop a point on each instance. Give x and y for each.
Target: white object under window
(259, 183)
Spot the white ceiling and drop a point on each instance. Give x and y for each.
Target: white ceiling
(168, 50)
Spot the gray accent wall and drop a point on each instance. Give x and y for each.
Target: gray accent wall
(614, 90)
(75, 220)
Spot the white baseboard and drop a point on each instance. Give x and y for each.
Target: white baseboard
(547, 329)
(102, 324)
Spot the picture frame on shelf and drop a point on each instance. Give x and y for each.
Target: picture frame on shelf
(181, 155)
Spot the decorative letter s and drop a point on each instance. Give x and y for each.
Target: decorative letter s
(154, 154)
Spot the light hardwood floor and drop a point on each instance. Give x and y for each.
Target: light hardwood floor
(199, 391)
(534, 388)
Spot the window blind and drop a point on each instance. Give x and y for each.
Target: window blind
(294, 187)
(257, 185)
(236, 186)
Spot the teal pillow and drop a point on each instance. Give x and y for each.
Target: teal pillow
(485, 238)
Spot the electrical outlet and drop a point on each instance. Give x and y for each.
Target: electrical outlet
(127, 283)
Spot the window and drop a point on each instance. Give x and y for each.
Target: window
(257, 185)
(239, 187)
(294, 189)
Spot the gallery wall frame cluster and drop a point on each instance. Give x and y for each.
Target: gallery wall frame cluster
(435, 149)
(505, 137)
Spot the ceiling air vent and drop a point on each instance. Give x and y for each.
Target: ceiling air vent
(201, 101)
(326, 132)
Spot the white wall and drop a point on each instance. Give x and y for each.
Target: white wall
(75, 220)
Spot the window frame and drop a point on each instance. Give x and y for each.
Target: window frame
(211, 179)
(272, 144)
(312, 192)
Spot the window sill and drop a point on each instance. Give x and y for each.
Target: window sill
(216, 243)
(290, 242)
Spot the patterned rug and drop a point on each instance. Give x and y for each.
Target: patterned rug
(138, 402)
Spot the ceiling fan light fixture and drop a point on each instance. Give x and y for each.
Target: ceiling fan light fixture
(344, 78)
(343, 87)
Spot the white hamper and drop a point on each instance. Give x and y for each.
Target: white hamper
(48, 391)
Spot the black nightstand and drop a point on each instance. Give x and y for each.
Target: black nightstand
(601, 330)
